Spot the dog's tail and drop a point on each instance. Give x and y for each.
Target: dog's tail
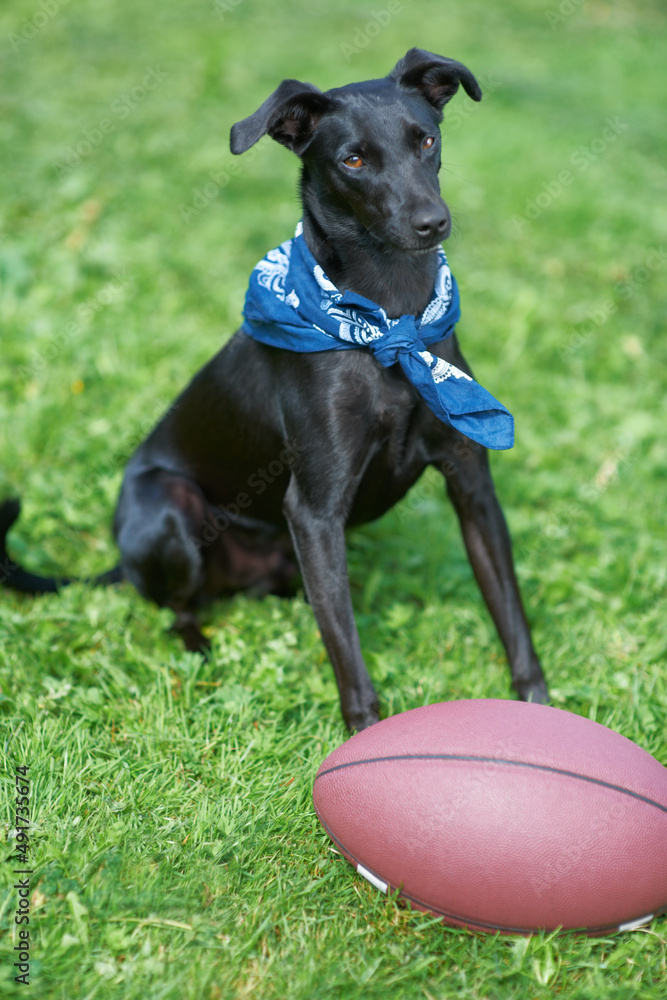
(17, 578)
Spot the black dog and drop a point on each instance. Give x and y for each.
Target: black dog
(327, 439)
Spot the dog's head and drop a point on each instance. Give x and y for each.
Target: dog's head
(371, 150)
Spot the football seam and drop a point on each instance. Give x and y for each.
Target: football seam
(497, 760)
(469, 921)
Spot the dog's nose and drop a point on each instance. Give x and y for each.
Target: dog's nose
(432, 223)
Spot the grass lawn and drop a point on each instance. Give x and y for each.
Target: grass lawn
(175, 849)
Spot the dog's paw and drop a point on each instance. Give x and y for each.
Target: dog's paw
(361, 719)
(534, 691)
(194, 640)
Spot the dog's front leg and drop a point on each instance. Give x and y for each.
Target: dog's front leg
(487, 540)
(319, 543)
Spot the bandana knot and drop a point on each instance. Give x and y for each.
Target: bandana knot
(292, 304)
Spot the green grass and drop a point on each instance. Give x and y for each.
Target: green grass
(175, 848)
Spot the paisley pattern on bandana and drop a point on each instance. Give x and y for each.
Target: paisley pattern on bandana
(291, 303)
(272, 270)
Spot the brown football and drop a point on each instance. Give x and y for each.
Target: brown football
(502, 816)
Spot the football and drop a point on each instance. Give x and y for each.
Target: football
(502, 816)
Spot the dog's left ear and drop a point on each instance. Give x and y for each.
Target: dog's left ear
(435, 77)
(290, 116)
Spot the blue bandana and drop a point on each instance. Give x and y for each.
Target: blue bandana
(291, 304)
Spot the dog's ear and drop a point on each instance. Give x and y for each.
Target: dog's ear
(435, 77)
(290, 116)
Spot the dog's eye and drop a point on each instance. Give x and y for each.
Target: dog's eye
(353, 161)
(428, 142)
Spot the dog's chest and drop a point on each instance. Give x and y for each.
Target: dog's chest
(396, 451)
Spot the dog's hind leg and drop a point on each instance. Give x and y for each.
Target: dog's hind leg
(187, 626)
(158, 519)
